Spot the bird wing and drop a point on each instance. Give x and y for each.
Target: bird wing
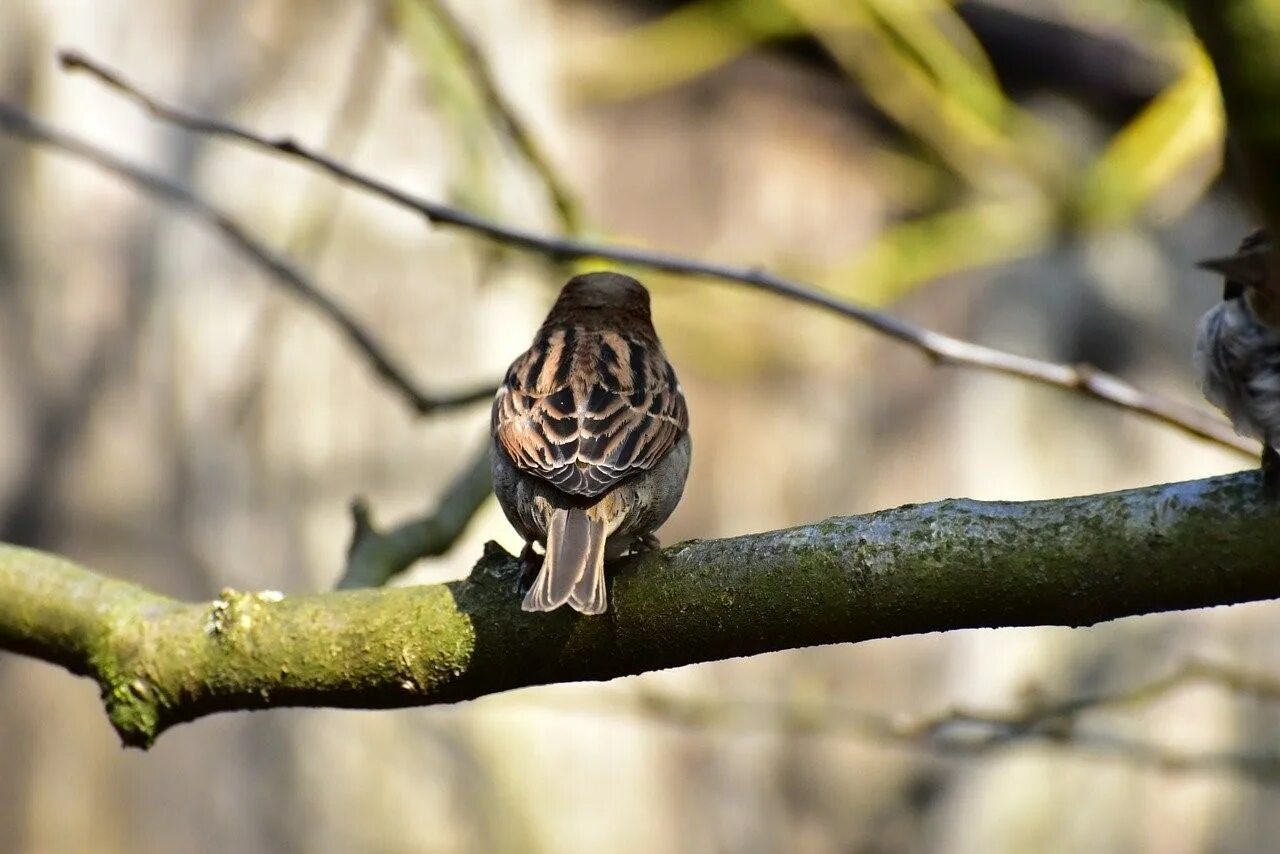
(585, 409)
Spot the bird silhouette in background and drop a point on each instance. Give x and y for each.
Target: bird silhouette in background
(591, 440)
(1237, 350)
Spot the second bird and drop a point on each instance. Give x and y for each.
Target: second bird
(1237, 351)
(590, 439)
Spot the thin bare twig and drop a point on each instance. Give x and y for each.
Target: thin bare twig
(1058, 723)
(1047, 719)
(961, 731)
(942, 349)
(375, 557)
(346, 128)
(321, 203)
(15, 121)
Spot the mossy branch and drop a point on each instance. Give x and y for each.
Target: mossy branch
(933, 567)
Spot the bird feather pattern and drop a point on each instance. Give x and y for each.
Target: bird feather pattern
(586, 407)
(1237, 349)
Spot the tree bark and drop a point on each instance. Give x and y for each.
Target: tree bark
(920, 568)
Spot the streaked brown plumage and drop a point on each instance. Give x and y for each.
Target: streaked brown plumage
(591, 445)
(1237, 350)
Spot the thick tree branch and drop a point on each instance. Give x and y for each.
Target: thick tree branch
(921, 568)
(942, 349)
(18, 123)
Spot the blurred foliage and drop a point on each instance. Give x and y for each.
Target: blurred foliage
(1015, 178)
(929, 247)
(692, 40)
(1159, 148)
(478, 114)
(442, 62)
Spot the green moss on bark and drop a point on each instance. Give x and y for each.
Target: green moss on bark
(919, 568)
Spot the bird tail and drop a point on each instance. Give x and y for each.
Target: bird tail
(573, 571)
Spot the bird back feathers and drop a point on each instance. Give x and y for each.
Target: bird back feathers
(587, 407)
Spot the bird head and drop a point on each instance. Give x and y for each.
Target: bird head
(1251, 273)
(601, 297)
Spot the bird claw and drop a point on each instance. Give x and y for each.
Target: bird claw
(646, 543)
(530, 565)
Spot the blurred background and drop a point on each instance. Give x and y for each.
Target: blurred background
(1031, 174)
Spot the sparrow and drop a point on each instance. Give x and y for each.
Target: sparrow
(1237, 348)
(591, 440)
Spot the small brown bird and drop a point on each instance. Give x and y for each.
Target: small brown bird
(590, 440)
(1237, 350)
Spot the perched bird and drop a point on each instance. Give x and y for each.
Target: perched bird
(590, 440)
(1237, 350)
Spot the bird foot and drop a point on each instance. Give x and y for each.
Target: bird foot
(530, 566)
(646, 543)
